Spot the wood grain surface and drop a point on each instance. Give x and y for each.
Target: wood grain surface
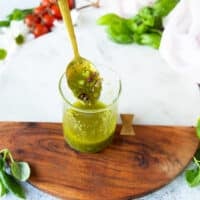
(131, 167)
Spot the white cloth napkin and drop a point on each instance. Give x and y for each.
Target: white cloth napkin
(180, 44)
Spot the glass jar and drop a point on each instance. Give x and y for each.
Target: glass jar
(90, 128)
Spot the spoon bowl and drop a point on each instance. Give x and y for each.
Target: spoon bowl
(84, 80)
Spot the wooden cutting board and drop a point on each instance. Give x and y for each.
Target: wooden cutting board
(131, 167)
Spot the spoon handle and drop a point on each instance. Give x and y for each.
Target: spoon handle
(64, 8)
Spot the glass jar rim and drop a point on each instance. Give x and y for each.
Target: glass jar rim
(88, 110)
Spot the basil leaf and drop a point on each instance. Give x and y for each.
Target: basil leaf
(198, 128)
(147, 16)
(3, 190)
(3, 54)
(163, 7)
(18, 14)
(20, 170)
(136, 25)
(193, 177)
(109, 19)
(119, 36)
(4, 23)
(151, 39)
(12, 185)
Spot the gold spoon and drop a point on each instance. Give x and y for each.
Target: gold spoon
(82, 77)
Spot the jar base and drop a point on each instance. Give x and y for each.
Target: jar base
(92, 148)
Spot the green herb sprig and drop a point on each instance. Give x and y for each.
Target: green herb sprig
(192, 176)
(11, 173)
(16, 14)
(145, 28)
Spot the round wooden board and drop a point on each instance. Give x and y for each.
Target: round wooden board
(131, 167)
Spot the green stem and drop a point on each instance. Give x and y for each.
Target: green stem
(3, 150)
(196, 162)
(11, 158)
(6, 152)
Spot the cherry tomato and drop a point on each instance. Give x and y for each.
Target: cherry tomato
(46, 2)
(48, 20)
(71, 4)
(55, 11)
(40, 10)
(31, 20)
(39, 30)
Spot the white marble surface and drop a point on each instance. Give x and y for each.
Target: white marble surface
(153, 91)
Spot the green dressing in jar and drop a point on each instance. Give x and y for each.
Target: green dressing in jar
(89, 128)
